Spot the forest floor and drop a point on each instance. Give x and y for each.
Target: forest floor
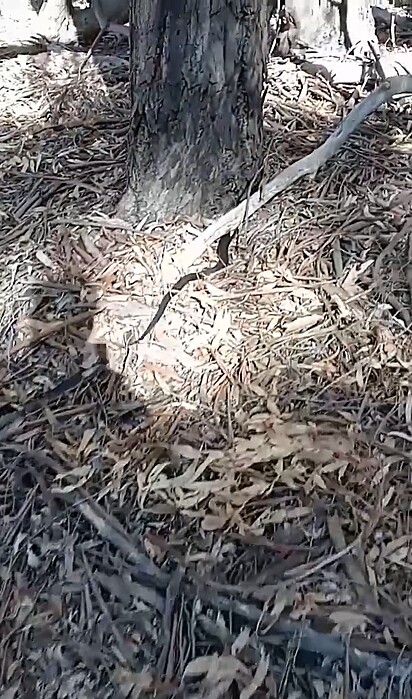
(224, 510)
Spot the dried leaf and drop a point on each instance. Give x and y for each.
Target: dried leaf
(240, 641)
(216, 668)
(86, 439)
(395, 544)
(303, 323)
(243, 495)
(257, 680)
(348, 620)
(44, 259)
(212, 523)
(185, 451)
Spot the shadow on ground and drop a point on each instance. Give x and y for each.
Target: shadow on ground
(232, 512)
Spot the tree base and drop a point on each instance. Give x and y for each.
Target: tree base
(184, 180)
(332, 25)
(197, 82)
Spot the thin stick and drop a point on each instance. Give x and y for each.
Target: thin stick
(92, 47)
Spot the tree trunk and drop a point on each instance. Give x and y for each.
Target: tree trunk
(360, 25)
(56, 20)
(197, 72)
(17, 20)
(317, 21)
(333, 25)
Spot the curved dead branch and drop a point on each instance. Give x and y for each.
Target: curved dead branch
(309, 165)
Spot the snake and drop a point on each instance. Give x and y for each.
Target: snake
(223, 261)
(68, 384)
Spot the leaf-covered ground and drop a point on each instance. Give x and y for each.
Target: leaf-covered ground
(224, 509)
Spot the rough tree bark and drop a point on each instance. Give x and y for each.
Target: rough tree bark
(197, 69)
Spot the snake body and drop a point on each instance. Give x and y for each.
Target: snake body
(223, 261)
(73, 381)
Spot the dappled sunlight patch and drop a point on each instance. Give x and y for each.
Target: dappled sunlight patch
(259, 438)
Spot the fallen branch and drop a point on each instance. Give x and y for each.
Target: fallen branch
(311, 645)
(109, 528)
(53, 327)
(322, 653)
(309, 165)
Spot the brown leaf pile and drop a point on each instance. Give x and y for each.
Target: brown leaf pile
(223, 510)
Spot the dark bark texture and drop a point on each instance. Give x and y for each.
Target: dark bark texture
(197, 69)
